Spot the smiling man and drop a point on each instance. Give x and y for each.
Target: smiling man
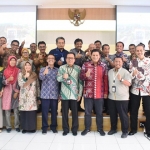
(118, 98)
(94, 75)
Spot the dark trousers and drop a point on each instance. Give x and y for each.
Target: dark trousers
(121, 108)
(98, 104)
(53, 105)
(65, 109)
(134, 107)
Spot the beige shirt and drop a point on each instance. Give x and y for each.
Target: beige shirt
(122, 91)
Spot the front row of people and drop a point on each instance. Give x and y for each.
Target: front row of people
(98, 85)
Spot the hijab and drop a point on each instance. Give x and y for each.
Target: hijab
(11, 70)
(31, 78)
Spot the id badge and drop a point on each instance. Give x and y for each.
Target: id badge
(113, 88)
(68, 81)
(62, 59)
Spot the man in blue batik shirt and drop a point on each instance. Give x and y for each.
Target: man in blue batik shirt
(49, 94)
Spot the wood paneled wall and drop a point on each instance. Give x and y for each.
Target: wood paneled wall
(62, 13)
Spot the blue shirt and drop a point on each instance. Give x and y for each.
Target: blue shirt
(50, 85)
(58, 54)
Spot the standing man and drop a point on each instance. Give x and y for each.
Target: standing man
(119, 53)
(49, 94)
(79, 60)
(71, 92)
(118, 98)
(5, 52)
(132, 51)
(106, 58)
(94, 75)
(60, 53)
(88, 52)
(98, 45)
(140, 71)
(147, 54)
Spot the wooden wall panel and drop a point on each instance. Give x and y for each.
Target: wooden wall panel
(62, 13)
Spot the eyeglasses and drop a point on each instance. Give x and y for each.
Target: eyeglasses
(14, 45)
(50, 58)
(71, 58)
(25, 53)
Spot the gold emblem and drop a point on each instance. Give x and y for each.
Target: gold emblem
(77, 17)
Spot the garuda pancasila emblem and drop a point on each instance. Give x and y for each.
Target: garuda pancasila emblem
(77, 17)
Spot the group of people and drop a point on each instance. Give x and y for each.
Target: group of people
(106, 82)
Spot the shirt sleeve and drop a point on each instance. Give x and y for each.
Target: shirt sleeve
(60, 75)
(41, 75)
(82, 73)
(106, 81)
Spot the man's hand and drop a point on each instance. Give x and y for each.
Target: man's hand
(124, 59)
(135, 72)
(119, 77)
(65, 76)
(23, 42)
(46, 70)
(60, 62)
(105, 96)
(79, 97)
(78, 55)
(88, 73)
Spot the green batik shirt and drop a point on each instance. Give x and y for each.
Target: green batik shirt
(75, 86)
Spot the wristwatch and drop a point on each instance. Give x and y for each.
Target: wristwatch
(121, 80)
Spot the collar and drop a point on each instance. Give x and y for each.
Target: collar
(59, 50)
(51, 68)
(139, 60)
(69, 66)
(98, 63)
(117, 70)
(120, 54)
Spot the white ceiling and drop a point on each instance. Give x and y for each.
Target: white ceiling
(76, 3)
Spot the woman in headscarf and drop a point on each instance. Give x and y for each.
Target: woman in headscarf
(29, 94)
(24, 58)
(1, 93)
(10, 93)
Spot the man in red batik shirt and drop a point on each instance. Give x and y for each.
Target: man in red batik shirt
(94, 75)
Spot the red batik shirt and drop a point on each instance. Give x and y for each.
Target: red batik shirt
(96, 85)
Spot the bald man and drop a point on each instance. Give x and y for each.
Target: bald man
(88, 51)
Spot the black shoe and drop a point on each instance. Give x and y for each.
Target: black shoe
(32, 131)
(131, 133)
(8, 130)
(54, 131)
(111, 132)
(81, 109)
(85, 132)
(74, 133)
(65, 133)
(101, 132)
(24, 131)
(44, 132)
(124, 135)
(18, 129)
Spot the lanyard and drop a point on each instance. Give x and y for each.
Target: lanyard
(114, 76)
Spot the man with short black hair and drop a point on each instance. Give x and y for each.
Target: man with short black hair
(119, 53)
(79, 60)
(98, 45)
(94, 75)
(60, 53)
(71, 92)
(118, 98)
(131, 50)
